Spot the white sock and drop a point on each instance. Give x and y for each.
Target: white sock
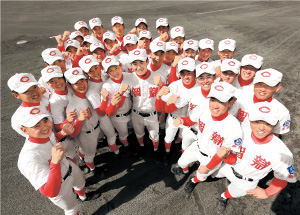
(223, 196)
(82, 197)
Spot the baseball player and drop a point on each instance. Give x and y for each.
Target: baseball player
(97, 28)
(87, 41)
(163, 27)
(144, 90)
(90, 66)
(82, 27)
(130, 42)
(215, 136)
(25, 87)
(178, 36)
(206, 46)
(116, 94)
(171, 52)
(144, 40)
(230, 69)
(112, 45)
(77, 35)
(140, 25)
(261, 153)
(87, 124)
(42, 161)
(118, 27)
(226, 50)
(266, 83)
(177, 91)
(250, 64)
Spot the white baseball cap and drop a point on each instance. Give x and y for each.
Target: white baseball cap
(116, 19)
(50, 55)
(79, 25)
(95, 22)
(75, 34)
(90, 39)
(264, 111)
(177, 31)
(31, 116)
(171, 46)
(205, 67)
(130, 39)
(222, 91)
(156, 46)
(145, 34)
(96, 45)
(21, 82)
(51, 72)
(73, 43)
(271, 77)
(110, 61)
(186, 63)
(87, 62)
(190, 44)
(74, 74)
(138, 54)
(109, 35)
(252, 59)
(162, 22)
(231, 65)
(227, 44)
(206, 44)
(139, 21)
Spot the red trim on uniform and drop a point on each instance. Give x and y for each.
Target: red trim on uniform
(196, 180)
(277, 135)
(187, 121)
(189, 86)
(255, 99)
(38, 140)
(153, 67)
(220, 118)
(159, 105)
(170, 108)
(117, 81)
(58, 127)
(27, 104)
(95, 80)
(173, 77)
(90, 165)
(59, 135)
(204, 93)
(265, 140)
(120, 39)
(111, 110)
(74, 159)
(52, 187)
(80, 95)
(65, 92)
(100, 38)
(275, 187)
(168, 146)
(228, 195)
(115, 53)
(100, 112)
(168, 39)
(155, 145)
(77, 128)
(75, 62)
(167, 63)
(113, 147)
(80, 192)
(145, 76)
(214, 161)
(61, 48)
(242, 82)
(230, 159)
(104, 105)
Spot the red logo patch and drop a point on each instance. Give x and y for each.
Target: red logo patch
(49, 70)
(141, 19)
(208, 41)
(35, 111)
(116, 18)
(87, 61)
(107, 34)
(159, 44)
(69, 41)
(161, 20)
(128, 37)
(177, 29)
(144, 32)
(52, 53)
(87, 37)
(219, 88)
(227, 42)
(80, 23)
(190, 42)
(108, 60)
(24, 79)
(231, 63)
(96, 44)
(172, 44)
(94, 21)
(264, 109)
(204, 66)
(266, 74)
(137, 52)
(185, 62)
(253, 57)
(75, 72)
(77, 32)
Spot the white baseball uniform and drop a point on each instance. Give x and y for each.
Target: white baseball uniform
(199, 62)
(238, 83)
(126, 66)
(34, 163)
(163, 71)
(255, 161)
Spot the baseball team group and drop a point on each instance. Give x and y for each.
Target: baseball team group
(95, 84)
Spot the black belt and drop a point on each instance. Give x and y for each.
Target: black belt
(174, 117)
(68, 173)
(124, 114)
(202, 152)
(144, 114)
(240, 176)
(194, 130)
(88, 132)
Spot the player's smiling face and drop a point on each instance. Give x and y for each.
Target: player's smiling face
(57, 84)
(204, 54)
(42, 129)
(217, 108)
(84, 31)
(190, 53)
(72, 50)
(32, 95)
(263, 91)
(205, 81)
(141, 27)
(109, 43)
(98, 31)
(140, 67)
(228, 76)
(118, 29)
(248, 72)
(157, 58)
(261, 129)
(170, 56)
(115, 72)
(95, 72)
(99, 54)
(226, 54)
(80, 86)
(187, 77)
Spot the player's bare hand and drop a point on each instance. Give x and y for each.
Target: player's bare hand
(43, 89)
(115, 48)
(83, 115)
(173, 98)
(66, 35)
(123, 88)
(258, 193)
(164, 37)
(85, 51)
(203, 169)
(133, 31)
(72, 115)
(223, 152)
(116, 98)
(67, 129)
(163, 91)
(178, 121)
(80, 51)
(104, 94)
(157, 81)
(58, 153)
(141, 44)
(218, 71)
(66, 55)
(59, 40)
(176, 60)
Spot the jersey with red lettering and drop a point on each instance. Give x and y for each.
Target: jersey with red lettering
(58, 103)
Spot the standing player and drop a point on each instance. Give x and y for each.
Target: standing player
(82, 27)
(145, 39)
(230, 69)
(178, 36)
(118, 27)
(171, 52)
(140, 25)
(261, 153)
(111, 44)
(206, 46)
(77, 35)
(97, 28)
(130, 42)
(163, 27)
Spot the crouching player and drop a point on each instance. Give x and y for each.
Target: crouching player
(43, 162)
(261, 152)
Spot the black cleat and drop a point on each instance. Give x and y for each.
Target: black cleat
(189, 187)
(167, 159)
(91, 196)
(177, 171)
(221, 206)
